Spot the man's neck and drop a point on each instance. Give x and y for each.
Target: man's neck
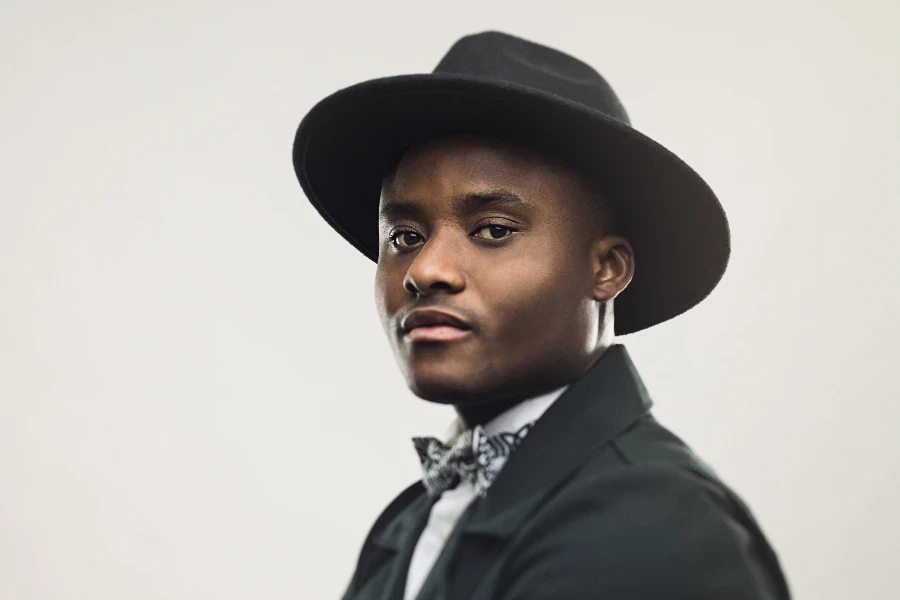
(479, 414)
(484, 413)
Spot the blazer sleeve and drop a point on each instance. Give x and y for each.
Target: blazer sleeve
(646, 532)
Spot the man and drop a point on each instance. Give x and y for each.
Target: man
(518, 223)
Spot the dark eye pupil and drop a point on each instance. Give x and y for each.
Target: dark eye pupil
(498, 229)
(410, 234)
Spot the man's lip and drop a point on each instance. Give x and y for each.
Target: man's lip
(436, 333)
(430, 317)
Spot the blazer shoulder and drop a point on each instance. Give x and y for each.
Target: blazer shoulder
(649, 460)
(665, 511)
(645, 503)
(648, 532)
(648, 443)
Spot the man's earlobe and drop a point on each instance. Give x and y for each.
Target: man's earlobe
(613, 267)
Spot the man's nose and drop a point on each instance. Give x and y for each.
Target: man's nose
(437, 266)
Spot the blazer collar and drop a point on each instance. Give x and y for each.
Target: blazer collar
(594, 409)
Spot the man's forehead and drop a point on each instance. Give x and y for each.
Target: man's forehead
(461, 164)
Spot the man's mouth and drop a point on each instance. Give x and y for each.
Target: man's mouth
(436, 333)
(434, 325)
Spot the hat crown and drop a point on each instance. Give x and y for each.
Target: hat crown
(511, 59)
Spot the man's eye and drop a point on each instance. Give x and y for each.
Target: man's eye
(405, 239)
(495, 232)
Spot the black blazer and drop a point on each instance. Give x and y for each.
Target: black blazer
(599, 501)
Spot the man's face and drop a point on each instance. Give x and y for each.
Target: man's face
(499, 237)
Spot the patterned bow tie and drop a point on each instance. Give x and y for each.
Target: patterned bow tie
(472, 456)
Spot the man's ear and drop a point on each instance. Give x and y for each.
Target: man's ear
(613, 264)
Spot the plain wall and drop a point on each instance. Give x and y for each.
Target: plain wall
(196, 397)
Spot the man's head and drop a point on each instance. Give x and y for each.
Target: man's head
(520, 246)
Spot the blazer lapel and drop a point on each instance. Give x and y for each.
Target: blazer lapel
(591, 412)
(390, 545)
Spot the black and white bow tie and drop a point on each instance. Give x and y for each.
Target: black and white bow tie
(472, 456)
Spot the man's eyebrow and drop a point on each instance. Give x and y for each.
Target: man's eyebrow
(465, 203)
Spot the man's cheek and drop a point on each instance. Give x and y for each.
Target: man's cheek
(524, 322)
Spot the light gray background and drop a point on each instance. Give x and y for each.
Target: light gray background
(196, 397)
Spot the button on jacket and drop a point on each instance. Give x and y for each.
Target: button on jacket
(598, 501)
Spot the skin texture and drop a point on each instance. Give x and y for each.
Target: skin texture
(535, 281)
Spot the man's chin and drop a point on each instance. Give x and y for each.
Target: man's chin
(444, 383)
(439, 390)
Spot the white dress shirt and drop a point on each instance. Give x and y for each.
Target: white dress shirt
(447, 510)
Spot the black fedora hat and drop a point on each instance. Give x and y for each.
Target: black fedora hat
(502, 86)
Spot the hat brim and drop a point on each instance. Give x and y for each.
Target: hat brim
(347, 142)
